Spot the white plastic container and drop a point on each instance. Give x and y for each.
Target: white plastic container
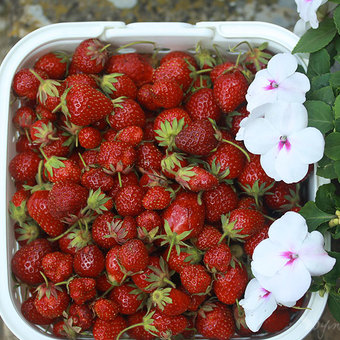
(167, 36)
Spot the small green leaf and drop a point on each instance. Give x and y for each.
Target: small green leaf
(332, 146)
(320, 115)
(334, 305)
(320, 81)
(326, 168)
(336, 17)
(336, 108)
(314, 216)
(316, 39)
(325, 94)
(334, 79)
(319, 63)
(325, 198)
(336, 166)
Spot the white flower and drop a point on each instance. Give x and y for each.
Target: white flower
(301, 27)
(281, 136)
(278, 81)
(307, 10)
(284, 263)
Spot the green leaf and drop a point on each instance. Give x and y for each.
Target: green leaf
(332, 146)
(314, 216)
(320, 81)
(336, 108)
(320, 115)
(319, 63)
(335, 1)
(316, 39)
(324, 198)
(335, 79)
(334, 305)
(326, 168)
(325, 94)
(336, 17)
(336, 166)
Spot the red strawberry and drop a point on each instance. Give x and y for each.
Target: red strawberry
(201, 105)
(230, 90)
(131, 134)
(195, 279)
(24, 117)
(89, 261)
(129, 200)
(82, 289)
(220, 69)
(149, 157)
(179, 54)
(156, 198)
(145, 97)
(231, 285)
(168, 326)
(167, 93)
(208, 238)
(185, 257)
(254, 240)
(96, 178)
(80, 78)
(108, 329)
(53, 63)
(90, 56)
(149, 225)
(237, 118)
(124, 180)
(198, 138)
(277, 321)
(26, 262)
(215, 321)
(24, 166)
(171, 163)
(30, 313)
(44, 112)
(113, 267)
(57, 147)
(23, 145)
(256, 58)
(66, 170)
(42, 131)
(38, 209)
(57, 266)
(118, 85)
(106, 309)
(89, 137)
(84, 105)
(138, 333)
(73, 241)
(81, 316)
(218, 258)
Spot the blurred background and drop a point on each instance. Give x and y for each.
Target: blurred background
(19, 17)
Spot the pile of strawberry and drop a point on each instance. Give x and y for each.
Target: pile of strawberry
(135, 209)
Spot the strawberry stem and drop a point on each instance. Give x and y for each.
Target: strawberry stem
(238, 147)
(63, 234)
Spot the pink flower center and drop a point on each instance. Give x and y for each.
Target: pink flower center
(284, 142)
(272, 85)
(290, 256)
(266, 293)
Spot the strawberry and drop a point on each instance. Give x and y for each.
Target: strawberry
(44, 112)
(53, 63)
(179, 54)
(237, 118)
(127, 298)
(145, 97)
(30, 313)
(80, 78)
(220, 69)
(219, 201)
(230, 90)
(82, 289)
(67, 170)
(51, 301)
(195, 301)
(198, 138)
(256, 58)
(172, 162)
(230, 285)
(118, 85)
(167, 93)
(240, 322)
(133, 255)
(26, 232)
(129, 200)
(131, 134)
(26, 262)
(73, 241)
(66, 198)
(57, 266)
(23, 144)
(149, 157)
(81, 316)
(89, 261)
(84, 105)
(208, 238)
(89, 137)
(114, 270)
(254, 240)
(38, 209)
(201, 105)
(149, 225)
(106, 309)
(215, 321)
(138, 332)
(126, 112)
(24, 166)
(24, 117)
(42, 131)
(195, 279)
(186, 256)
(57, 147)
(108, 329)
(156, 198)
(124, 180)
(218, 258)
(277, 321)
(134, 65)
(96, 178)
(196, 178)
(90, 56)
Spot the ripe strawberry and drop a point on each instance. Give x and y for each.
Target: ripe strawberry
(82, 289)
(237, 118)
(134, 65)
(66, 170)
(84, 105)
(26, 84)
(196, 179)
(254, 240)
(57, 147)
(38, 209)
(220, 69)
(106, 309)
(81, 316)
(277, 321)
(256, 58)
(24, 117)
(124, 180)
(113, 267)
(80, 78)
(26, 262)
(24, 166)
(30, 313)
(219, 201)
(149, 225)
(118, 85)
(44, 112)
(231, 285)
(133, 255)
(138, 333)
(131, 134)
(49, 95)
(195, 279)
(171, 163)
(168, 326)
(51, 301)
(145, 97)
(215, 321)
(42, 131)
(195, 301)
(218, 258)
(198, 138)
(90, 56)
(89, 261)
(208, 238)
(96, 178)
(179, 54)
(184, 214)
(126, 112)
(129, 200)
(201, 105)
(53, 63)
(23, 144)
(57, 266)
(247, 202)
(156, 198)
(185, 257)
(230, 90)
(89, 137)
(108, 329)
(149, 157)
(66, 198)
(167, 93)
(73, 241)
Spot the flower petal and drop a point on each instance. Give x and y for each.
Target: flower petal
(294, 88)
(281, 66)
(313, 255)
(301, 27)
(268, 163)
